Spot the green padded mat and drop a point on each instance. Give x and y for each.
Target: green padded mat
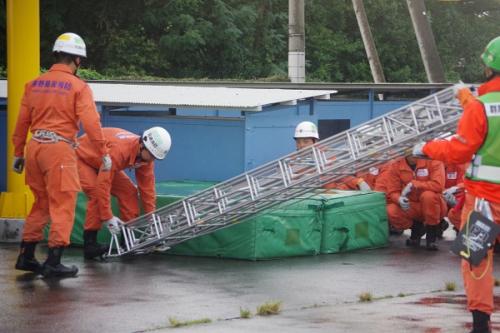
(353, 220)
(290, 229)
(325, 223)
(166, 193)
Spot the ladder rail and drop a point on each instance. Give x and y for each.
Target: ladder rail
(187, 232)
(357, 149)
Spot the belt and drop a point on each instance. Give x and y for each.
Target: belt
(45, 136)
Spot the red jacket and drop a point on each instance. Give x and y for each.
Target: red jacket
(123, 149)
(57, 101)
(471, 133)
(454, 174)
(428, 176)
(372, 174)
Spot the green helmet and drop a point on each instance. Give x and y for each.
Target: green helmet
(491, 54)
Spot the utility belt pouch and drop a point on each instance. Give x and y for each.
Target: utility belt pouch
(476, 238)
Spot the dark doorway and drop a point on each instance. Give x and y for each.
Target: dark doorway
(329, 127)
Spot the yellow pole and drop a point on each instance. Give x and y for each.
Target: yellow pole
(23, 64)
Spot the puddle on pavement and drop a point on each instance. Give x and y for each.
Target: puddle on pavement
(452, 299)
(433, 330)
(408, 318)
(495, 327)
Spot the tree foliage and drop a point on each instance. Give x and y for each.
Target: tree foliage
(248, 39)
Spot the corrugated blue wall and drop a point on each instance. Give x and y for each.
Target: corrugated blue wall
(221, 144)
(202, 149)
(269, 134)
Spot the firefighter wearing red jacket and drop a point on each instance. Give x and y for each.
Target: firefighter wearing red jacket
(454, 193)
(52, 108)
(477, 141)
(306, 134)
(414, 189)
(127, 151)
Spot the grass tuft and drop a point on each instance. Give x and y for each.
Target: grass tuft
(450, 286)
(365, 297)
(176, 323)
(269, 308)
(245, 313)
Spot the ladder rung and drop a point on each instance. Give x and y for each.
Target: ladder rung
(379, 140)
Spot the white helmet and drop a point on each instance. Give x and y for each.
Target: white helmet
(306, 129)
(70, 43)
(157, 141)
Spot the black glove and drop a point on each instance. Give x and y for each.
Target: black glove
(18, 165)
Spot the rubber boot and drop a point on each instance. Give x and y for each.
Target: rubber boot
(443, 225)
(52, 267)
(430, 238)
(417, 231)
(496, 247)
(480, 322)
(26, 260)
(92, 249)
(394, 231)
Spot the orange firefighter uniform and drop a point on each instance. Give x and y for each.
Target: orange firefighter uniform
(454, 174)
(346, 183)
(472, 132)
(54, 104)
(426, 202)
(371, 176)
(123, 148)
(382, 180)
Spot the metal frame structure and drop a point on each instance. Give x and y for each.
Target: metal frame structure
(356, 150)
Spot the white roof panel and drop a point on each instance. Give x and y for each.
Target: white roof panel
(191, 97)
(3, 88)
(211, 97)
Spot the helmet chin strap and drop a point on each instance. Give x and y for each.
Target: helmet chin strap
(489, 77)
(489, 74)
(77, 65)
(139, 153)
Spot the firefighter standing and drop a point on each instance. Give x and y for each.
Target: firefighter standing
(477, 141)
(51, 109)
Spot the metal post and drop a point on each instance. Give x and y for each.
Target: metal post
(426, 42)
(23, 64)
(296, 41)
(366, 35)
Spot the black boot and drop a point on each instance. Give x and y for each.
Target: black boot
(496, 247)
(92, 249)
(417, 231)
(443, 225)
(394, 231)
(52, 267)
(26, 260)
(430, 238)
(480, 322)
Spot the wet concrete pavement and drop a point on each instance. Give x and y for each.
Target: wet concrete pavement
(318, 294)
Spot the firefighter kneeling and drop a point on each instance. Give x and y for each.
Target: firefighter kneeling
(413, 188)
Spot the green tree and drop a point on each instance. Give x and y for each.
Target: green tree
(248, 39)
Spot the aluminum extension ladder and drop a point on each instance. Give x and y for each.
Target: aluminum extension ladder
(377, 141)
